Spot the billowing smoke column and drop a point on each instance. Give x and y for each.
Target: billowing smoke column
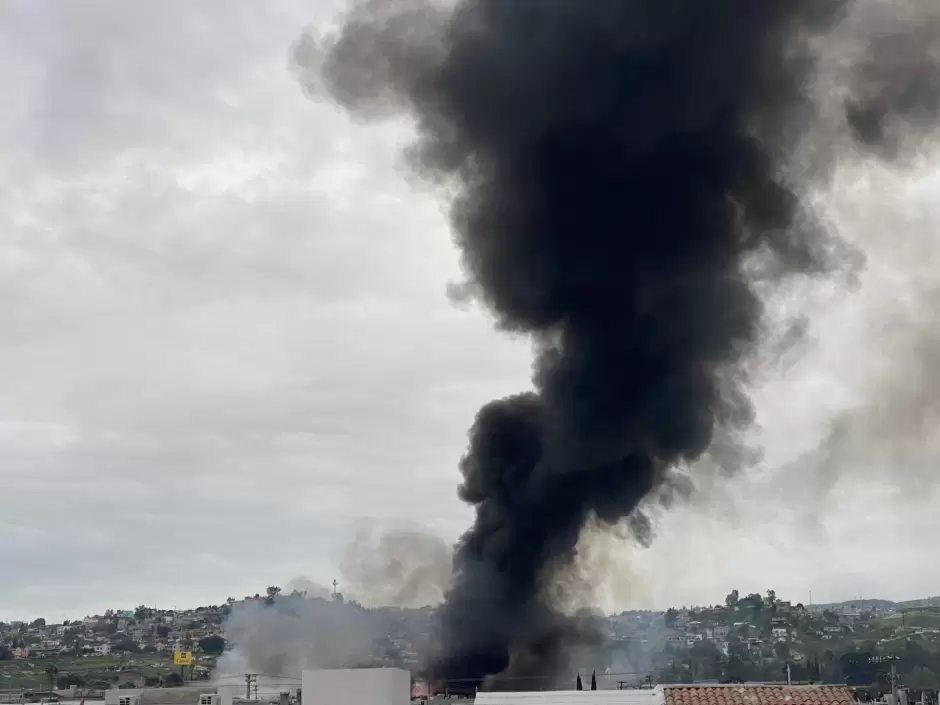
(624, 181)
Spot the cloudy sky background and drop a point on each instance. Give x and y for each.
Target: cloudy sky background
(226, 342)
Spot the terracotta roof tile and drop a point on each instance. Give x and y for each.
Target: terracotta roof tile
(753, 694)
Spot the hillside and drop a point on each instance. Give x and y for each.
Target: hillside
(868, 604)
(753, 637)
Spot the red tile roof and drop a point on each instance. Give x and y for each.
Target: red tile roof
(754, 694)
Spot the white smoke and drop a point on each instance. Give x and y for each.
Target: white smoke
(307, 626)
(399, 567)
(293, 633)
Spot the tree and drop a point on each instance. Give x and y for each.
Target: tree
(52, 673)
(105, 628)
(731, 600)
(670, 617)
(163, 631)
(41, 622)
(5, 653)
(273, 592)
(813, 671)
(752, 601)
(125, 643)
(214, 645)
(70, 679)
(771, 598)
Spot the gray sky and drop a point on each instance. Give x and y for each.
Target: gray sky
(226, 342)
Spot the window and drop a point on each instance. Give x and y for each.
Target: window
(205, 700)
(124, 701)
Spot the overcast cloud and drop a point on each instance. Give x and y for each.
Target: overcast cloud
(226, 340)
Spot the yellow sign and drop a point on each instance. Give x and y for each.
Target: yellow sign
(183, 658)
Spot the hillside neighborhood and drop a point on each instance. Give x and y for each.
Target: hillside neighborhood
(748, 638)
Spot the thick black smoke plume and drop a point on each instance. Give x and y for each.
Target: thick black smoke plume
(624, 179)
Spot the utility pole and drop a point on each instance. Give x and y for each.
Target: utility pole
(250, 678)
(789, 679)
(894, 683)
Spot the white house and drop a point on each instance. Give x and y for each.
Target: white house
(102, 649)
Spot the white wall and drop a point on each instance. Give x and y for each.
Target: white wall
(356, 686)
(113, 695)
(654, 696)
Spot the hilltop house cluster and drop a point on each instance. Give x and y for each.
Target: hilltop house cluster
(765, 624)
(115, 632)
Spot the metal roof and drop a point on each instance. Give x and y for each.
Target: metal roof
(574, 697)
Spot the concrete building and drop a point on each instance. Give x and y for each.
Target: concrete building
(356, 686)
(187, 695)
(704, 694)
(653, 696)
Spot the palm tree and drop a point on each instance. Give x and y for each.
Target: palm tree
(52, 673)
